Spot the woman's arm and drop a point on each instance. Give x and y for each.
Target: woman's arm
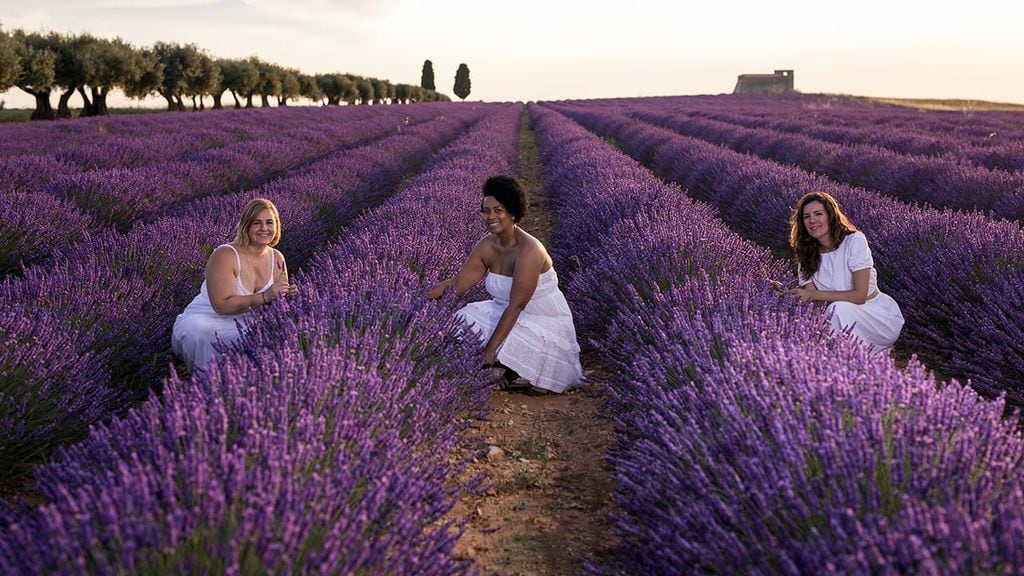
(859, 294)
(473, 270)
(524, 284)
(220, 285)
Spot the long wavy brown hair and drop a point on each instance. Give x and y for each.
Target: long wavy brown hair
(806, 250)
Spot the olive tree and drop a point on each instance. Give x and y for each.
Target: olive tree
(10, 63)
(240, 77)
(36, 75)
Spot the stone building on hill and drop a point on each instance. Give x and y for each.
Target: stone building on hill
(780, 81)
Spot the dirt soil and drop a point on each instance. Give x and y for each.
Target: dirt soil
(545, 512)
(551, 488)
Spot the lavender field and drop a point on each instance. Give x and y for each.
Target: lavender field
(336, 435)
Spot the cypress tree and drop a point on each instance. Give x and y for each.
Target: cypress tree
(462, 84)
(427, 78)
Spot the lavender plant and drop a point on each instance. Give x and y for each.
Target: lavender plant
(952, 273)
(749, 440)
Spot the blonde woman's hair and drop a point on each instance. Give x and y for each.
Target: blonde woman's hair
(249, 213)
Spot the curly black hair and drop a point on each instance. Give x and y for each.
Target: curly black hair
(507, 191)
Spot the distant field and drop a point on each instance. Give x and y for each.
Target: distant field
(950, 104)
(22, 114)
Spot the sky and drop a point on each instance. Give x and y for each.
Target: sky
(569, 49)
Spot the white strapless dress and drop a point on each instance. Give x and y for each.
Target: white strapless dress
(542, 345)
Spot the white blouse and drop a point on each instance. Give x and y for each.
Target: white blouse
(835, 272)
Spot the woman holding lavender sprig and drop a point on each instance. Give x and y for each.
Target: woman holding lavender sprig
(527, 328)
(834, 265)
(244, 274)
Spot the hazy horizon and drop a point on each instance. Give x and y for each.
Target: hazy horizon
(574, 49)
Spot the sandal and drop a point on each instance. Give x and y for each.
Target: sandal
(515, 385)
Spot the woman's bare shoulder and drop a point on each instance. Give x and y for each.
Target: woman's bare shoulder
(486, 243)
(223, 255)
(533, 249)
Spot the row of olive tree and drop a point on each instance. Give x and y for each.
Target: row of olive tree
(40, 64)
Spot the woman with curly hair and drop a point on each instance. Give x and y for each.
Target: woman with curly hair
(526, 328)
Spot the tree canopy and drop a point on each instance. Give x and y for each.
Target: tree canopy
(462, 84)
(10, 64)
(40, 63)
(427, 76)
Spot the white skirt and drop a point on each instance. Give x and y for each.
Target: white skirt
(542, 345)
(877, 322)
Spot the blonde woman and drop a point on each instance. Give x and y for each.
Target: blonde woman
(244, 274)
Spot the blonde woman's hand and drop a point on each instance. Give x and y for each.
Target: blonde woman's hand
(281, 289)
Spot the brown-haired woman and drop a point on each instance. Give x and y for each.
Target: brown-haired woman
(244, 274)
(834, 265)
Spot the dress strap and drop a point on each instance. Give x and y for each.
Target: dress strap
(237, 258)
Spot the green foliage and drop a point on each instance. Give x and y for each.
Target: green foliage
(203, 78)
(308, 88)
(38, 60)
(401, 93)
(271, 78)
(185, 71)
(291, 86)
(150, 77)
(365, 90)
(240, 77)
(462, 83)
(10, 63)
(337, 88)
(427, 76)
(381, 88)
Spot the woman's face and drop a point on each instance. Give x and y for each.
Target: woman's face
(496, 217)
(816, 220)
(263, 228)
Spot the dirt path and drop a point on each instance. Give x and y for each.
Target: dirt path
(551, 488)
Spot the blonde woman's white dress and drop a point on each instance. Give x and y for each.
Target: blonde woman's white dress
(199, 327)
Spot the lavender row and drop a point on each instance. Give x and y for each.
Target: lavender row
(324, 443)
(122, 196)
(750, 442)
(75, 205)
(176, 137)
(959, 278)
(1007, 156)
(67, 139)
(980, 129)
(117, 295)
(940, 182)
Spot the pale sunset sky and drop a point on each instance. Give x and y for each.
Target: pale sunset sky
(567, 49)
